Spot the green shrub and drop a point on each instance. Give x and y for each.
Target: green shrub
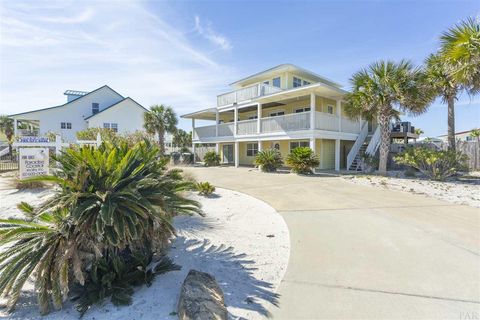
(26, 184)
(205, 188)
(269, 160)
(109, 201)
(436, 165)
(302, 160)
(211, 158)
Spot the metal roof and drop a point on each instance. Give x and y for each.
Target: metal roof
(75, 93)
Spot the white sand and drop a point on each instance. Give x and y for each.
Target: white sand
(463, 191)
(242, 241)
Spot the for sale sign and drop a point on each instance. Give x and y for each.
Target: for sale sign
(33, 162)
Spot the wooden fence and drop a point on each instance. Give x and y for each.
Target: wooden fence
(472, 150)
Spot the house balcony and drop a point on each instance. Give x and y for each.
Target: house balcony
(246, 94)
(279, 124)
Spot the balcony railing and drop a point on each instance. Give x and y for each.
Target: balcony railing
(285, 123)
(245, 94)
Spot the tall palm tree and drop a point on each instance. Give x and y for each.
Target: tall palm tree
(381, 91)
(456, 67)
(182, 138)
(160, 120)
(6, 127)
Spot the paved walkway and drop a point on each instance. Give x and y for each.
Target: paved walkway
(367, 253)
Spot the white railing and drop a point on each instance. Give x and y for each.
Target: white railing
(356, 146)
(246, 127)
(374, 142)
(225, 129)
(204, 132)
(326, 121)
(350, 126)
(245, 94)
(289, 122)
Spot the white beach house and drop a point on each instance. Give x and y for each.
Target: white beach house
(102, 107)
(285, 107)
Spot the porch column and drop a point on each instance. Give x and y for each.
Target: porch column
(259, 143)
(217, 119)
(193, 151)
(312, 111)
(339, 115)
(235, 119)
(237, 154)
(312, 144)
(259, 118)
(15, 127)
(217, 148)
(337, 155)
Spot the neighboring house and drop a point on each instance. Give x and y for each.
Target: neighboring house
(100, 108)
(459, 136)
(284, 107)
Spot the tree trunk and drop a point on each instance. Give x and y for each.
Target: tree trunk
(384, 122)
(161, 141)
(451, 123)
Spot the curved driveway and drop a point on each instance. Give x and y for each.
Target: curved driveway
(366, 253)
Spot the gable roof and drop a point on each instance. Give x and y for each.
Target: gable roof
(288, 67)
(115, 104)
(62, 105)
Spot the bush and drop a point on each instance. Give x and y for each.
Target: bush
(26, 184)
(410, 172)
(269, 160)
(211, 158)
(436, 165)
(205, 188)
(111, 201)
(302, 160)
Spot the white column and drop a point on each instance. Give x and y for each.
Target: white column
(58, 144)
(217, 119)
(193, 151)
(235, 119)
(312, 144)
(15, 127)
(259, 118)
(339, 115)
(337, 155)
(259, 145)
(312, 111)
(237, 154)
(217, 148)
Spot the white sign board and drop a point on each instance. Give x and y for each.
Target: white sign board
(33, 162)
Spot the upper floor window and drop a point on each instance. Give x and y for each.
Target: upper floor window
(95, 108)
(305, 109)
(297, 144)
(65, 125)
(252, 149)
(297, 82)
(278, 113)
(330, 109)
(112, 126)
(276, 82)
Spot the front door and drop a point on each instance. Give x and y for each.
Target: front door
(227, 153)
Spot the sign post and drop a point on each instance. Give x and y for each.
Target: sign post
(33, 162)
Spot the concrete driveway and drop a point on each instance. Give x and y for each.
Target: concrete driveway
(366, 253)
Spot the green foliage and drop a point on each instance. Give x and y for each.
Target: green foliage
(109, 200)
(182, 139)
(437, 165)
(269, 160)
(115, 276)
(205, 188)
(475, 133)
(25, 184)
(108, 135)
(6, 127)
(160, 120)
(211, 158)
(302, 160)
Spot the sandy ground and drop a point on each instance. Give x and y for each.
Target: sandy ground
(242, 241)
(460, 191)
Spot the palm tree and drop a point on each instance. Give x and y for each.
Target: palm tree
(160, 120)
(419, 131)
(475, 133)
(381, 91)
(182, 138)
(456, 67)
(6, 127)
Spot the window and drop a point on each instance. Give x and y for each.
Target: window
(305, 82)
(95, 108)
(278, 113)
(114, 127)
(106, 125)
(330, 109)
(297, 82)
(252, 117)
(296, 144)
(305, 109)
(65, 125)
(276, 82)
(252, 149)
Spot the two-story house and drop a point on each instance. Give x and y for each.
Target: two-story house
(100, 108)
(283, 107)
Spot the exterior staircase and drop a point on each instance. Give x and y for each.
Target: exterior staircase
(357, 161)
(365, 144)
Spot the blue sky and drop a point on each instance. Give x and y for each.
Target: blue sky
(184, 53)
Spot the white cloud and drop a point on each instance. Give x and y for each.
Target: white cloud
(132, 49)
(208, 33)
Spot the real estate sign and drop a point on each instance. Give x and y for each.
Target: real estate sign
(33, 162)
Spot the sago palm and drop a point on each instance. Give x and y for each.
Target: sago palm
(382, 91)
(268, 160)
(160, 120)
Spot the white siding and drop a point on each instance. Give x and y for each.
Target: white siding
(127, 114)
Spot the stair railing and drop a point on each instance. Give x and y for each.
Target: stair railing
(374, 142)
(356, 146)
